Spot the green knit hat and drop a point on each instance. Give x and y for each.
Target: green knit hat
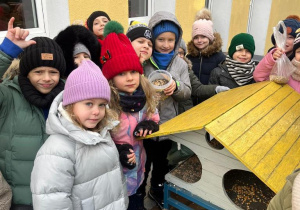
(241, 41)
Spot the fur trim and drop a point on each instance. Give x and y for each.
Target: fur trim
(13, 70)
(204, 13)
(296, 17)
(70, 36)
(189, 63)
(211, 49)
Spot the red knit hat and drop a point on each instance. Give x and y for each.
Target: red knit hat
(117, 53)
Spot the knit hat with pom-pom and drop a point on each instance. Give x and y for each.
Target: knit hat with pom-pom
(203, 24)
(117, 53)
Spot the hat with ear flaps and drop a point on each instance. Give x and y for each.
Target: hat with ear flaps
(117, 53)
(68, 38)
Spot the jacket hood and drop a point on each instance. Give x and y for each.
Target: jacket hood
(58, 124)
(69, 37)
(163, 16)
(211, 49)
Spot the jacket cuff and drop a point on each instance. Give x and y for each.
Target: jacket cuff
(9, 48)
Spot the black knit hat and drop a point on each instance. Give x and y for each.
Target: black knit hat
(139, 30)
(45, 52)
(93, 16)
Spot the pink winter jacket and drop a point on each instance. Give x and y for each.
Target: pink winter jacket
(128, 122)
(263, 70)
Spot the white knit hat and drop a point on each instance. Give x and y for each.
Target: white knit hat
(203, 27)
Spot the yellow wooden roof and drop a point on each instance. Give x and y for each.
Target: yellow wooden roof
(259, 124)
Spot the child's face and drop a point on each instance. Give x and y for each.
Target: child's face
(297, 54)
(289, 44)
(78, 58)
(44, 78)
(142, 47)
(127, 81)
(200, 42)
(98, 26)
(165, 42)
(243, 56)
(180, 52)
(90, 112)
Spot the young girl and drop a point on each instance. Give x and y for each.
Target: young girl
(167, 34)
(25, 100)
(96, 22)
(132, 97)
(142, 41)
(262, 71)
(204, 50)
(78, 166)
(237, 70)
(78, 44)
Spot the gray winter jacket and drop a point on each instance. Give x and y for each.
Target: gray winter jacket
(77, 169)
(178, 68)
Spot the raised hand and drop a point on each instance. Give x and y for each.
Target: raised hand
(18, 35)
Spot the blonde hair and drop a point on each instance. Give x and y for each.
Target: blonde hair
(149, 91)
(109, 117)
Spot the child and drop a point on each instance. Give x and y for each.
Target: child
(204, 50)
(24, 105)
(132, 97)
(167, 34)
(237, 70)
(142, 40)
(96, 22)
(263, 69)
(78, 166)
(78, 43)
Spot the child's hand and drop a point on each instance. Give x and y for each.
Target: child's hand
(277, 53)
(170, 90)
(18, 35)
(131, 157)
(145, 128)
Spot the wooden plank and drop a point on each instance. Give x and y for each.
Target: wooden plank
(204, 113)
(236, 130)
(285, 168)
(230, 117)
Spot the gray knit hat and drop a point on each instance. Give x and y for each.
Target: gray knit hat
(183, 45)
(80, 48)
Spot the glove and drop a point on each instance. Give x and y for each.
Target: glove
(150, 125)
(220, 89)
(123, 150)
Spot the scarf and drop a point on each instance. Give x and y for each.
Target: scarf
(163, 60)
(133, 103)
(242, 73)
(34, 97)
(296, 73)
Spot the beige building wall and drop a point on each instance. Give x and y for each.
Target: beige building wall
(185, 13)
(117, 10)
(279, 11)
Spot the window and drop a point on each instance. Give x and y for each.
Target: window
(40, 17)
(140, 10)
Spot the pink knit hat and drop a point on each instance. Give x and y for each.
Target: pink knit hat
(203, 27)
(86, 82)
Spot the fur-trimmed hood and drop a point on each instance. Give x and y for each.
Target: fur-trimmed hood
(211, 49)
(69, 37)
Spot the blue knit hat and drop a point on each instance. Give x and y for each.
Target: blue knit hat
(291, 26)
(165, 26)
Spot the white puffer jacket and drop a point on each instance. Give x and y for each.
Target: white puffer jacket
(77, 169)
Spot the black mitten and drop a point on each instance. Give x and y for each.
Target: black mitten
(150, 125)
(123, 152)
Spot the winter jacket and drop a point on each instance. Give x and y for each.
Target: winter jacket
(77, 169)
(200, 92)
(178, 68)
(206, 60)
(5, 61)
(124, 135)
(221, 76)
(264, 68)
(283, 199)
(22, 132)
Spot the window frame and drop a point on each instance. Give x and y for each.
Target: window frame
(144, 19)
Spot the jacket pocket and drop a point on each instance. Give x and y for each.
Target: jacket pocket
(88, 204)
